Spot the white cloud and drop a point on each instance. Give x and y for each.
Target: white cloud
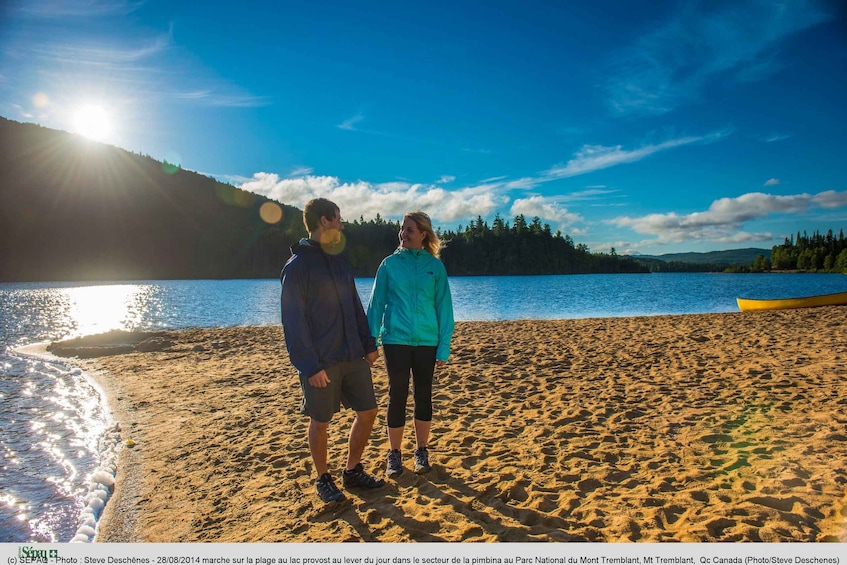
(590, 193)
(350, 123)
(524, 183)
(390, 200)
(53, 9)
(778, 137)
(112, 57)
(545, 208)
(725, 218)
(596, 157)
(301, 172)
(830, 199)
(133, 64)
(211, 97)
(772, 182)
(672, 65)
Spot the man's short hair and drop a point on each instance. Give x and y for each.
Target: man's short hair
(317, 209)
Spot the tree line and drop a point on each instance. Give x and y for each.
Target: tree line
(520, 248)
(814, 253)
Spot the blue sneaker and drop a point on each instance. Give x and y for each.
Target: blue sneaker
(357, 477)
(394, 467)
(422, 461)
(327, 490)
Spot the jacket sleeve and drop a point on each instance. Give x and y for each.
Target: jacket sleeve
(444, 314)
(298, 339)
(376, 304)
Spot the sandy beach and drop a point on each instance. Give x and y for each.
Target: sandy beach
(694, 428)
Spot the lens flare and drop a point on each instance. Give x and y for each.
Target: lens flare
(333, 242)
(172, 163)
(40, 100)
(271, 212)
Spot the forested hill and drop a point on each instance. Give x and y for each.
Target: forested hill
(72, 209)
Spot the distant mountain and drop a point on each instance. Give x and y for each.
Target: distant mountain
(73, 209)
(729, 257)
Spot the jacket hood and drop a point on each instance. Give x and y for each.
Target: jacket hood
(309, 245)
(306, 244)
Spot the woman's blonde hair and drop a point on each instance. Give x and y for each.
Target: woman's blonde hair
(431, 241)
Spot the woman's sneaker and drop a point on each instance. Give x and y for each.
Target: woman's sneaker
(422, 461)
(357, 477)
(327, 490)
(394, 467)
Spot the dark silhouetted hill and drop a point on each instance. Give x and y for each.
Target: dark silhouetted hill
(73, 209)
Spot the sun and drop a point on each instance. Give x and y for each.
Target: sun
(93, 122)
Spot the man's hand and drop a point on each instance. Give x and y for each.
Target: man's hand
(372, 357)
(319, 380)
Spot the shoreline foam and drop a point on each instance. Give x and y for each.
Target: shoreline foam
(713, 427)
(102, 483)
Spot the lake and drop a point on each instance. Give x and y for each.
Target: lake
(55, 432)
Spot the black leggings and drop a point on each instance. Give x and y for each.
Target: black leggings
(400, 360)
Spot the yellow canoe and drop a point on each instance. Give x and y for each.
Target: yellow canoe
(749, 304)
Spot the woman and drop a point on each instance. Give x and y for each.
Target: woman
(411, 313)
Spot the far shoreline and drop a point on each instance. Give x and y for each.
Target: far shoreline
(273, 278)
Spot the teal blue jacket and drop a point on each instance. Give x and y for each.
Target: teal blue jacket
(411, 303)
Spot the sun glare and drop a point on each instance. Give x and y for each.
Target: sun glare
(98, 309)
(92, 122)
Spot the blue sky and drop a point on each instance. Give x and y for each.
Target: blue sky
(648, 126)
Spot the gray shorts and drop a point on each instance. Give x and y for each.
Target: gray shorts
(350, 384)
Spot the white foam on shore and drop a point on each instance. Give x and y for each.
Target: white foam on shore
(100, 487)
(102, 482)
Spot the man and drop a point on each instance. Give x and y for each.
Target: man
(329, 343)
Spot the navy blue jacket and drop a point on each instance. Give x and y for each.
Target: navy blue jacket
(322, 315)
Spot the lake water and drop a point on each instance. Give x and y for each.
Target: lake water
(59, 445)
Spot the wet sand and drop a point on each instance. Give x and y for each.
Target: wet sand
(695, 428)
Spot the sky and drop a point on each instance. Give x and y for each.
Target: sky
(649, 127)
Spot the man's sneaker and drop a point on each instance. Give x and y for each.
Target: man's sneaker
(327, 490)
(359, 478)
(394, 467)
(422, 461)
